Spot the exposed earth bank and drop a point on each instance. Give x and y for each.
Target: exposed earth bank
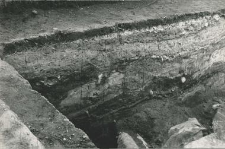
(145, 80)
(131, 82)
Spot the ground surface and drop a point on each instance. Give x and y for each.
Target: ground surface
(21, 24)
(142, 90)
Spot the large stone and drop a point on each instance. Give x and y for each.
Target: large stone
(210, 141)
(219, 122)
(131, 140)
(126, 141)
(184, 133)
(52, 128)
(217, 139)
(13, 133)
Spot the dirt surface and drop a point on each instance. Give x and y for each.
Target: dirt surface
(22, 24)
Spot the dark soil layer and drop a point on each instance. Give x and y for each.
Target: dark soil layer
(142, 65)
(18, 6)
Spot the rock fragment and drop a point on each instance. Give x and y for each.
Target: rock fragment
(34, 12)
(216, 106)
(183, 79)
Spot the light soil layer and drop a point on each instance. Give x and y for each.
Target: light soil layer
(141, 89)
(20, 24)
(52, 128)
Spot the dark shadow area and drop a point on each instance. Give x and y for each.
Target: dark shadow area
(19, 6)
(103, 135)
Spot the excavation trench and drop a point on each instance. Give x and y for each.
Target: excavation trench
(130, 79)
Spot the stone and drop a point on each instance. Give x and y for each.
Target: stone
(216, 17)
(216, 139)
(34, 12)
(126, 141)
(131, 140)
(143, 141)
(219, 123)
(151, 92)
(209, 141)
(55, 29)
(184, 133)
(216, 106)
(13, 133)
(100, 78)
(85, 137)
(183, 79)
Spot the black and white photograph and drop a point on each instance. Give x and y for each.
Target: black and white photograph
(126, 74)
